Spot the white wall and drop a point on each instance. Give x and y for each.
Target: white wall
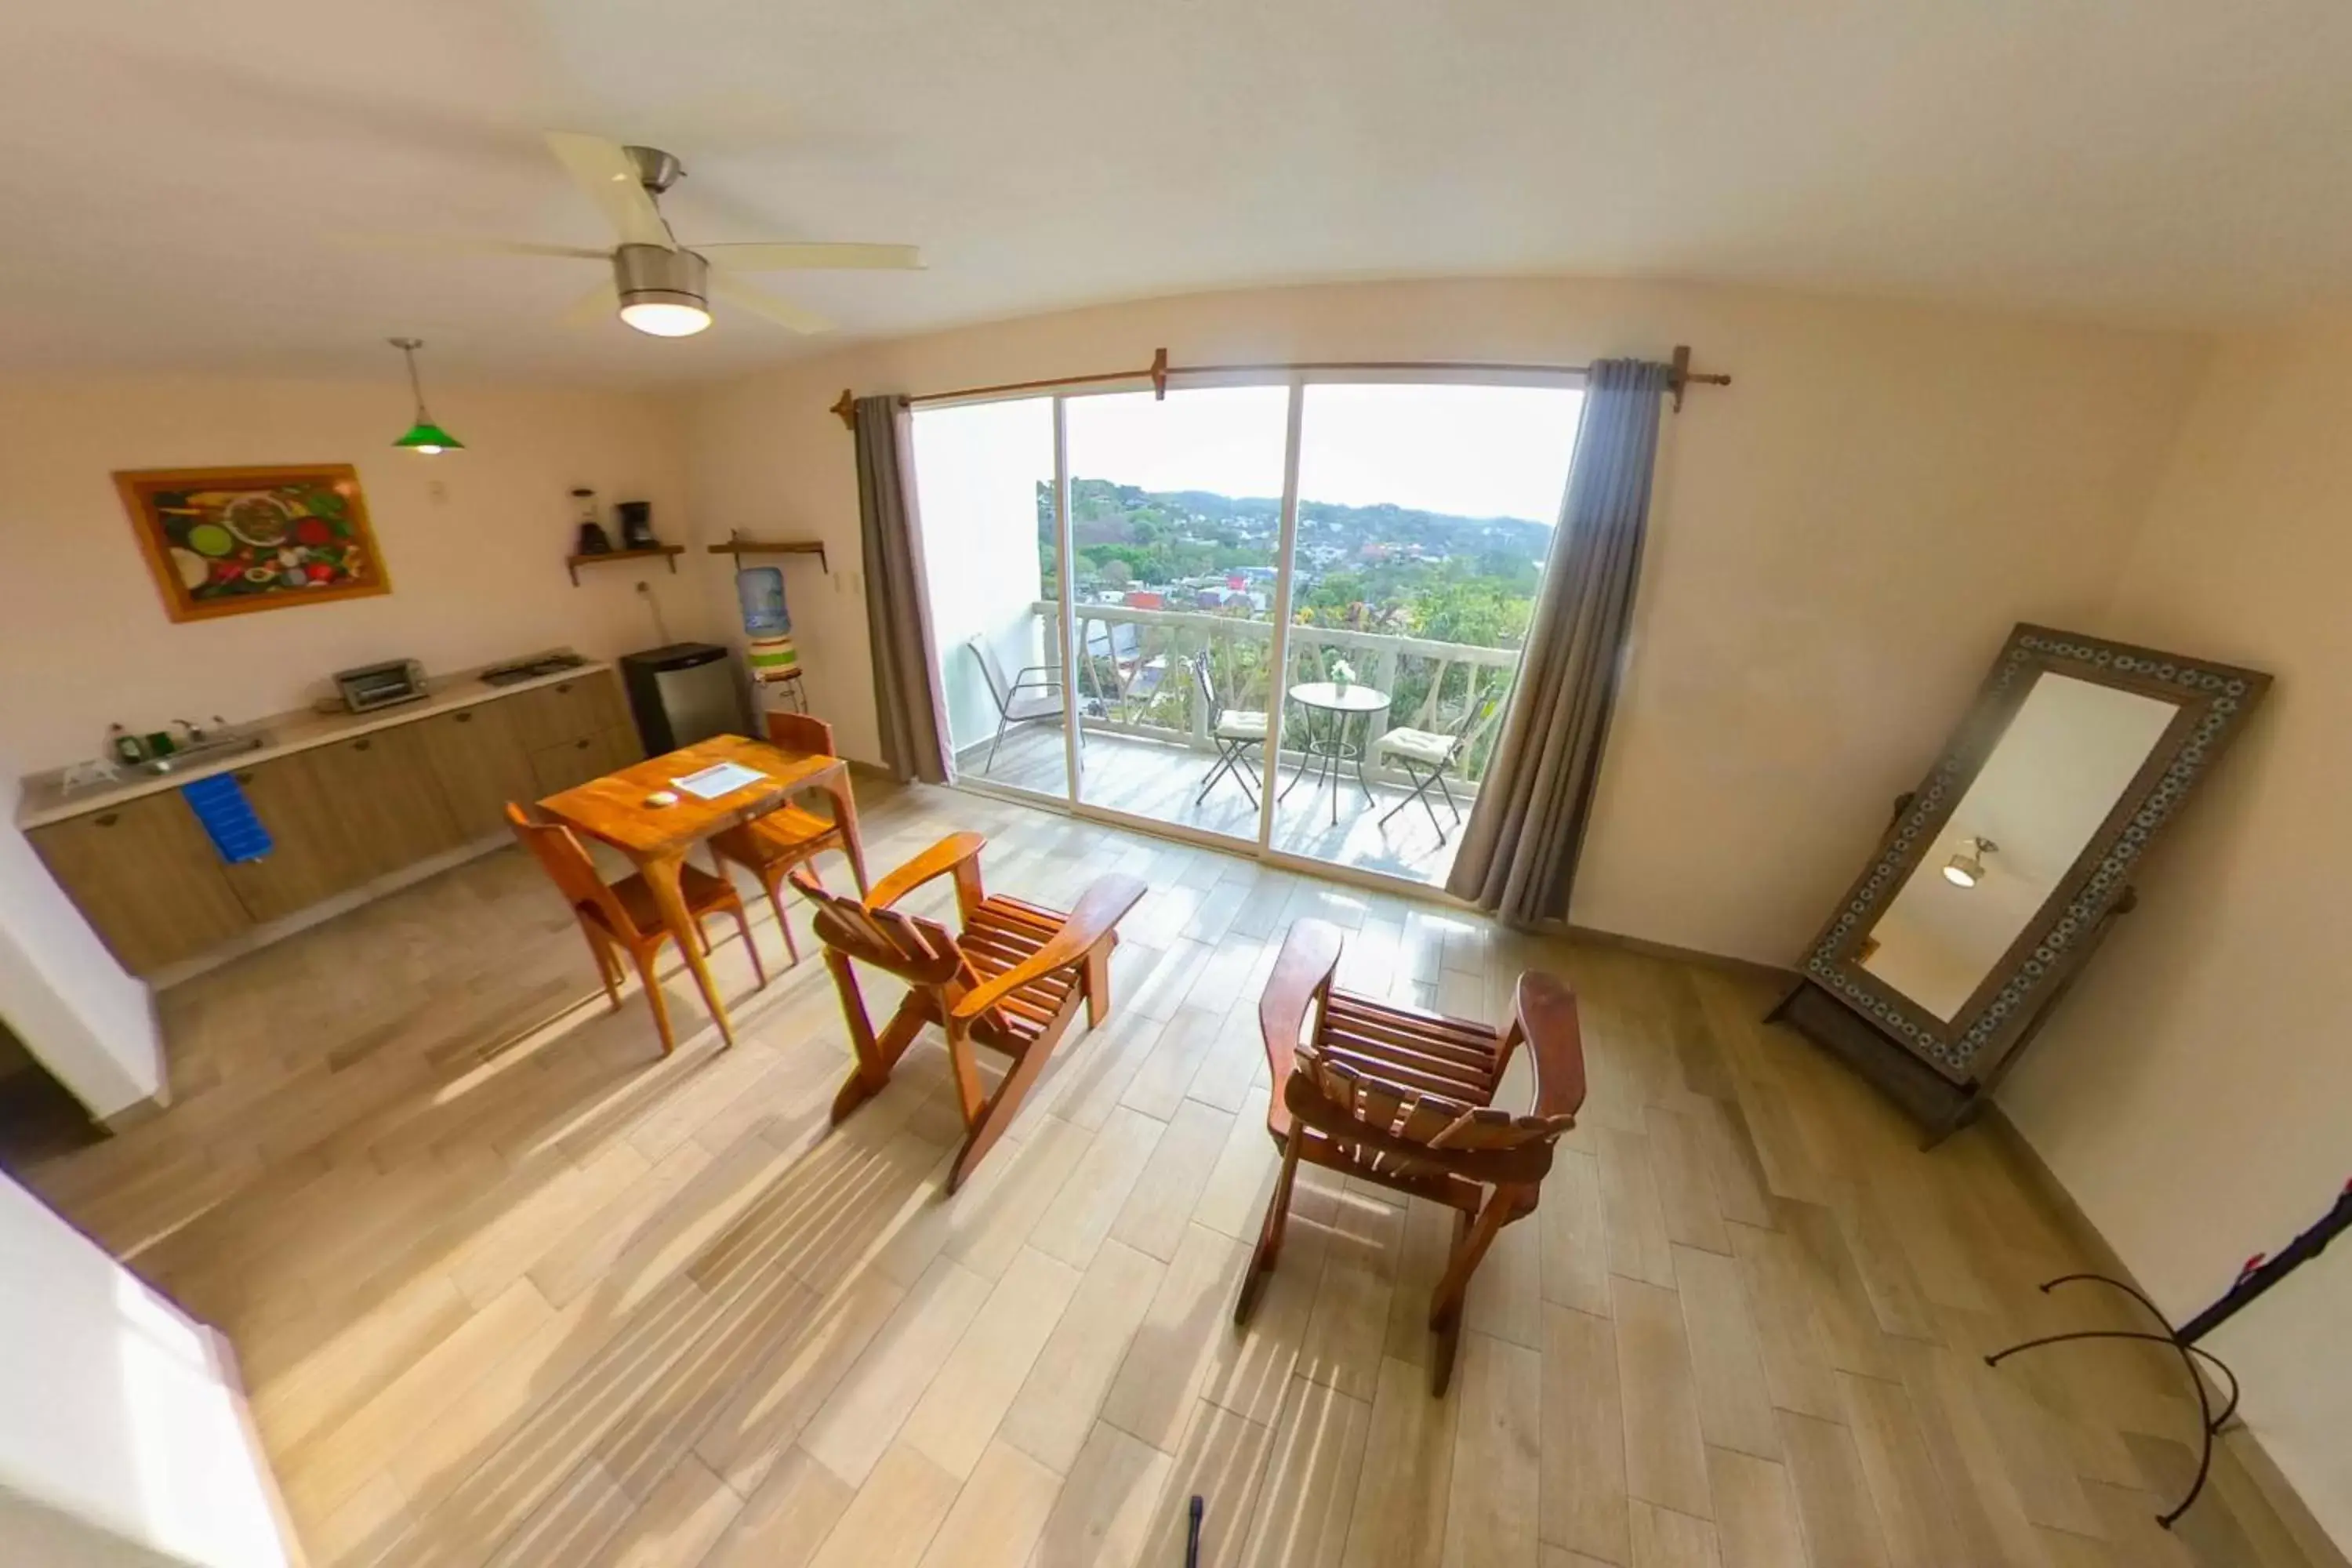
(978, 467)
(79, 1012)
(118, 1437)
(477, 574)
(1840, 540)
(2195, 1094)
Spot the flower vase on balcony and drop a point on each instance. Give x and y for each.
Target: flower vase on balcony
(1343, 675)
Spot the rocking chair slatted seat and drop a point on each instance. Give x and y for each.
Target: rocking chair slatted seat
(1405, 1098)
(1011, 979)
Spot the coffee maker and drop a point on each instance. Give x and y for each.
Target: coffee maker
(637, 525)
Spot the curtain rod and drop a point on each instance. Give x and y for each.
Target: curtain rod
(1160, 370)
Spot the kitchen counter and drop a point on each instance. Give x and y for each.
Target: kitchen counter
(43, 799)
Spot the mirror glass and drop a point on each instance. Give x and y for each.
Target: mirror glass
(2071, 750)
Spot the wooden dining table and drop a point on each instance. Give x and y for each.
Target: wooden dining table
(618, 809)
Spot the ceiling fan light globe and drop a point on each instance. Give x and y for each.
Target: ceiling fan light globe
(664, 318)
(663, 293)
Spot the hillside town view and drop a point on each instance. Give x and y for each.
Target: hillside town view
(1388, 569)
(1382, 569)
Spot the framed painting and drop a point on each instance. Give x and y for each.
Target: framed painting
(223, 542)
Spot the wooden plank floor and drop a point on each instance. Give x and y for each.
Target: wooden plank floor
(508, 1289)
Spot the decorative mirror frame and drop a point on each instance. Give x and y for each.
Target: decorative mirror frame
(2214, 702)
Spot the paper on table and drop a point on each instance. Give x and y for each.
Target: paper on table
(719, 778)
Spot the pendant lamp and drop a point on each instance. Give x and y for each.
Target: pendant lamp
(424, 437)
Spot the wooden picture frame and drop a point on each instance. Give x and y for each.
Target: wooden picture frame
(227, 541)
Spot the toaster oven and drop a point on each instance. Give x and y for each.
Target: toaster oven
(385, 685)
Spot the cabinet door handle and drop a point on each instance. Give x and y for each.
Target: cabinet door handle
(563, 688)
(108, 819)
(583, 746)
(245, 778)
(466, 716)
(361, 745)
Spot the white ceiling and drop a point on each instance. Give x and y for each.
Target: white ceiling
(175, 172)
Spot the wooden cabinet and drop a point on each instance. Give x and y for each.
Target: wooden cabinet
(339, 814)
(559, 767)
(577, 710)
(381, 786)
(147, 877)
(312, 855)
(480, 765)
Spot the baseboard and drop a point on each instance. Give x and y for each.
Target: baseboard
(2238, 1450)
(1773, 973)
(137, 1113)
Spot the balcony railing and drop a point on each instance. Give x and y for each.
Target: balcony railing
(1134, 676)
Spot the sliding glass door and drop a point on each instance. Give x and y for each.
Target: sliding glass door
(1425, 516)
(1138, 599)
(1175, 525)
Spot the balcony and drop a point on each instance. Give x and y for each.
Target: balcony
(1147, 748)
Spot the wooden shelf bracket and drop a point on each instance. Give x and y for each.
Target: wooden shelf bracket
(572, 563)
(739, 547)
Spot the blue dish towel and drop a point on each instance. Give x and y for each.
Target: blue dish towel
(220, 805)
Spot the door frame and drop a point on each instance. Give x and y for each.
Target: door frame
(1295, 379)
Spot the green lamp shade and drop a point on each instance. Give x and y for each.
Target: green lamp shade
(427, 437)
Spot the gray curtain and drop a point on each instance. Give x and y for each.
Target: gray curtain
(1520, 851)
(907, 707)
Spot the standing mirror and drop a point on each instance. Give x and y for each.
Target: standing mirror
(2001, 874)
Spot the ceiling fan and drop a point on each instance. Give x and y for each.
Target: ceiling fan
(660, 286)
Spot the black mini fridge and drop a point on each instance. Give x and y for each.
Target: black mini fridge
(683, 693)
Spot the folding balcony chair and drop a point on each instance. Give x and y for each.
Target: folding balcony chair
(1427, 756)
(1405, 1098)
(1011, 979)
(1235, 731)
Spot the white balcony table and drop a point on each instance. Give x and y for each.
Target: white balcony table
(1329, 707)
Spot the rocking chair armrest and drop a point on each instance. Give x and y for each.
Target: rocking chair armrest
(1302, 975)
(940, 860)
(1544, 1016)
(1099, 909)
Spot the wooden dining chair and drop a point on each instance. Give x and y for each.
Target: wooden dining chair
(1011, 979)
(1405, 1098)
(773, 843)
(624, 914)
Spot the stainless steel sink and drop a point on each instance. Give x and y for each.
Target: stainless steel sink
(211, 750)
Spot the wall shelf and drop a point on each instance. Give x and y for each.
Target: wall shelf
(573, 564)
(737, 545)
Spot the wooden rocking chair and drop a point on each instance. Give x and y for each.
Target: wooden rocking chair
(1405, 1098)
(1011, 979)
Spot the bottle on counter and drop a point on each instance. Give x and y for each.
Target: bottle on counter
(124, 747)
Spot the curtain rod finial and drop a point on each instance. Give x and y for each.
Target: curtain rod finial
(844, 408)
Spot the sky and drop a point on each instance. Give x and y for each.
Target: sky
(1476, 451)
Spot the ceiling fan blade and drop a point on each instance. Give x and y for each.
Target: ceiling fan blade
(471, 245)
(602, 303)
(809, 256)
(605, 174)
(759, 303)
